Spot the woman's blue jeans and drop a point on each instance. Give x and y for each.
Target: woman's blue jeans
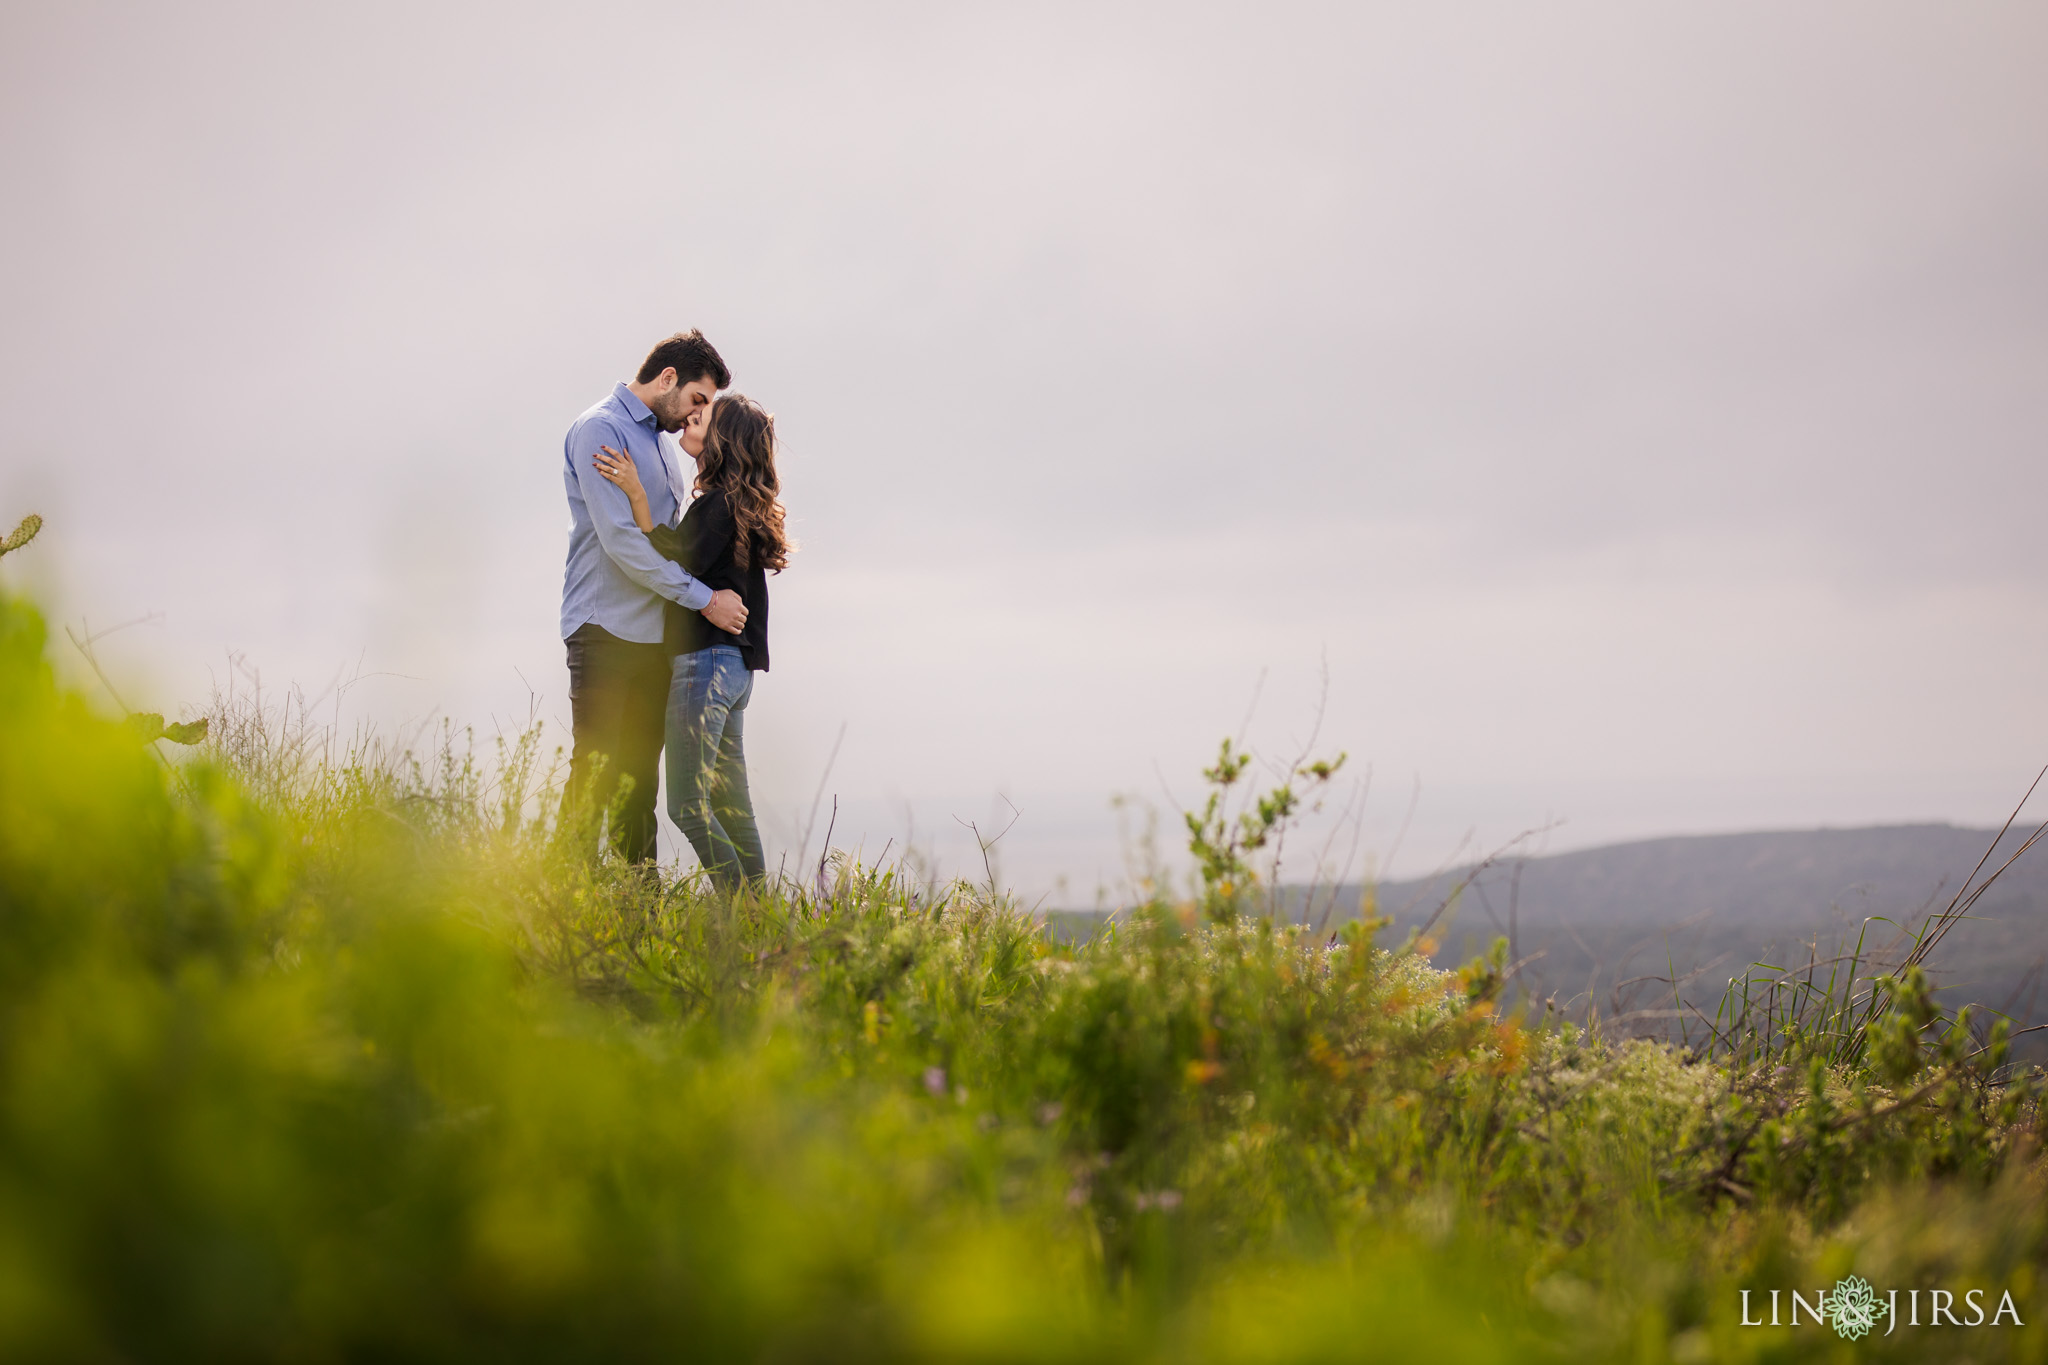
(707, 763)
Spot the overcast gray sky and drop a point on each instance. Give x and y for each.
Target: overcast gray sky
(1639, 409)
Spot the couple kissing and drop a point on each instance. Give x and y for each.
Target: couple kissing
(665, 601)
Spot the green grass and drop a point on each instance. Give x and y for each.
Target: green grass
(318, 1056)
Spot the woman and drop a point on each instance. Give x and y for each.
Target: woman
(731, 537)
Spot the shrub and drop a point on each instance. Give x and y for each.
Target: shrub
(317, 1055)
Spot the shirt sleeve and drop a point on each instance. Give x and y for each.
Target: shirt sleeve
(611, 514)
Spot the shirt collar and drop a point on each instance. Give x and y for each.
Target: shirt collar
(635, 409)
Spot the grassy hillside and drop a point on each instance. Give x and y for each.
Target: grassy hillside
(356, 1057)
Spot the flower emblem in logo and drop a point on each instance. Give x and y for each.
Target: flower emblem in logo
(1853, 1307)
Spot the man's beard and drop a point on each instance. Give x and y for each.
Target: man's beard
(671, 417)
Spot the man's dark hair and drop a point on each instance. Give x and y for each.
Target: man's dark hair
(690, 355)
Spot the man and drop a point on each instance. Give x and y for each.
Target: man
(613, 587)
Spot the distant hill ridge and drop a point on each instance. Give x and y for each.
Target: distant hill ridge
(1595, 918)
(1594, 921)
(1796, 880)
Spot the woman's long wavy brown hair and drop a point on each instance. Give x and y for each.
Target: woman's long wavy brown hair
(739, 461)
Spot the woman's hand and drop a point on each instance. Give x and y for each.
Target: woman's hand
(621, 471)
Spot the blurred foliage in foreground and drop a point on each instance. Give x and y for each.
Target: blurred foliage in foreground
(312, 1060)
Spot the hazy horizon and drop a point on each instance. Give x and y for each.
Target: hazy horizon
(1634, 415)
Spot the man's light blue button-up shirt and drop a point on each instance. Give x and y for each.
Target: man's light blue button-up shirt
(614, 578)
